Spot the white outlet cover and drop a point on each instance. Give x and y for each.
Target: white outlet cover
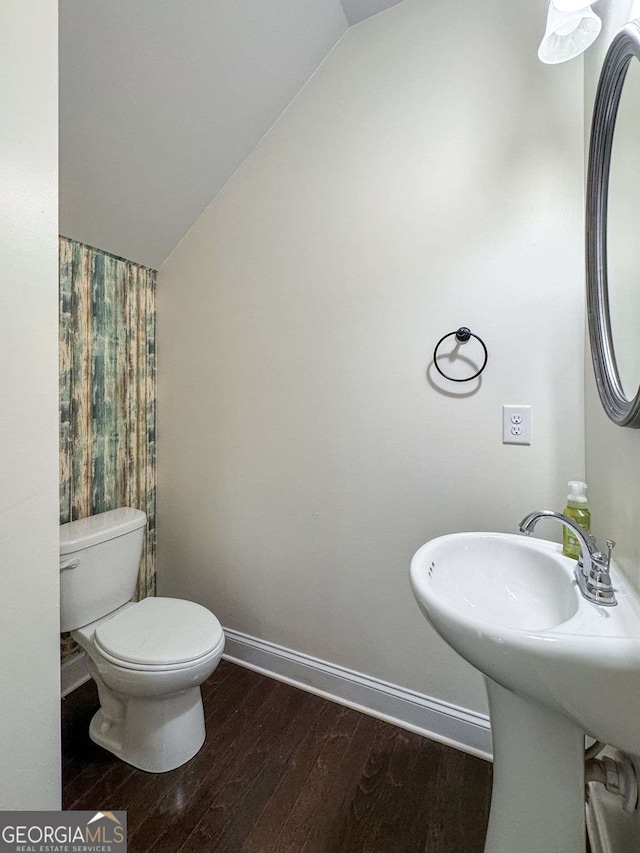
(516, 424)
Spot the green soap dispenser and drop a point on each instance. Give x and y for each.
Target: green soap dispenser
(576, 509)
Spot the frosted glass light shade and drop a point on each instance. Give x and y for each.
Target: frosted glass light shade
(568, 33)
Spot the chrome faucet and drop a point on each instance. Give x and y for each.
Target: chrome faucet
(592, 571)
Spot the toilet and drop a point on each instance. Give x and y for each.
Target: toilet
(148, 658)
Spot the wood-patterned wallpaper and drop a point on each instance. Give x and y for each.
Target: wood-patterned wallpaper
(107, 393)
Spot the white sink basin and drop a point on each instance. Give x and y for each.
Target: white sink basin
(511, 581)
(557, 667)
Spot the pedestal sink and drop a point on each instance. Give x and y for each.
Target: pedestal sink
(556, 667)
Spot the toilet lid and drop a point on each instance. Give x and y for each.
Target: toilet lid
(159, 631)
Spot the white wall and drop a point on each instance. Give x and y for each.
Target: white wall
(30, 669)
(613, 453)
(429, 175)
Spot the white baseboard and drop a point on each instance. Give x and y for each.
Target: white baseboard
(73, 673)
(433, 718)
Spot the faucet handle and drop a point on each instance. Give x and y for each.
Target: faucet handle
(610, 546)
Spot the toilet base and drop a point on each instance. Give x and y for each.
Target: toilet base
(155, 735)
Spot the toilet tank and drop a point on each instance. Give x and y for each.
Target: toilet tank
(99, 563)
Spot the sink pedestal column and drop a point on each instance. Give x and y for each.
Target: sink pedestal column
(538, 800)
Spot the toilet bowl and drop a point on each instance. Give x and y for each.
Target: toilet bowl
(148, 661)
(148, 658)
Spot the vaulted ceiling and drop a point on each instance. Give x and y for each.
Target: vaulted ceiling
(358, 10)
(162, 100)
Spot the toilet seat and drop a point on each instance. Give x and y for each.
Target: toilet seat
(159, 634)
(214, 654)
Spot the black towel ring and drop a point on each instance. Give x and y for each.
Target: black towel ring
(463, 334)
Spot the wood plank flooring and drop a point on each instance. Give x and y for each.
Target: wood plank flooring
(284, 771)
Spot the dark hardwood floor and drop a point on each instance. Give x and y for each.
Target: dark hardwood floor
(283, 771)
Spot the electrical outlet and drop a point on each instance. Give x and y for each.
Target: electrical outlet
(516, 424)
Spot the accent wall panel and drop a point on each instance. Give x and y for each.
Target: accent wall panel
(107, 392)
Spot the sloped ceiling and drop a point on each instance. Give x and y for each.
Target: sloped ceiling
(162, 100)
(358, 10)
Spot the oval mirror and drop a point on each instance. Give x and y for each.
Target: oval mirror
(613, 230)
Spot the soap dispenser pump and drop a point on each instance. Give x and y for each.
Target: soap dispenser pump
(576, 509)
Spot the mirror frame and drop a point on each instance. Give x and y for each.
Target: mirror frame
(624, 47)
